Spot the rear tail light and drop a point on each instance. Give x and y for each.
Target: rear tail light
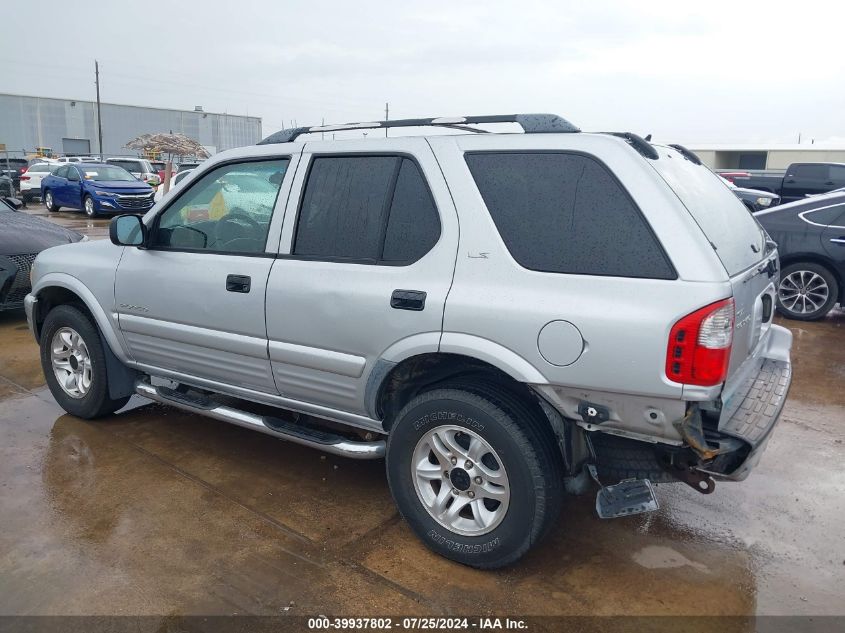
(700, 345)
(25, 177)
(23, 170)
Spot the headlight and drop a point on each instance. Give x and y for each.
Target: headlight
(104, 193)
(764, 202)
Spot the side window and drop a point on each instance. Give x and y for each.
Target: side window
(72, 174)
(61, 172)
(413, 227)
(810, 172)
(367, 209)
(825, 216)
(566, 213)
(344, 207)
(228, 210)
(837, 174)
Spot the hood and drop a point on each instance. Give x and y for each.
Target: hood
(120, 185)
(22, 233)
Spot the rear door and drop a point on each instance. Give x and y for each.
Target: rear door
(368, 250)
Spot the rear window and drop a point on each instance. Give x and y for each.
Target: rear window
(733, 232)
(40, 167)
(566, 213)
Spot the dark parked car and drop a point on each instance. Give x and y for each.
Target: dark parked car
(13, 168)
(797, 182)
(6, 187)
(753, 199)
(22, 237)
(810, 235)
(96, 188)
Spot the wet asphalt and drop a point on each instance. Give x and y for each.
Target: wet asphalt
(155, 511)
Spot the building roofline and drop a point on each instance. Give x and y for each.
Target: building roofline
(128, 105)
(715, 147)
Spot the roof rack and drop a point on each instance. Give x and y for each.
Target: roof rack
(638, 143)
(686, 153)
(531, 124)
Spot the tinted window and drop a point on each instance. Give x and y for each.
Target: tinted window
(810, 172)
(837, 173)
(227, 210)
(733, 232)
(413, 226)
(344, 207)
(566, 213)
(128, 165)
(62, 172)
(827, 216)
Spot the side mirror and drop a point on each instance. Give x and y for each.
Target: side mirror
(127, 230)
(13, 202)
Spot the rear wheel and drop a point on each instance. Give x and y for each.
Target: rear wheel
(49, 202)
(74, 364)
(807, 291)
(475, 473)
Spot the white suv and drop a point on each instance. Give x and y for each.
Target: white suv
(141, 168)
(31, 180)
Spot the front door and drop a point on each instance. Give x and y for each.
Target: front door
(192, 302)
(370, 239)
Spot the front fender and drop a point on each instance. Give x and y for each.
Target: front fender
(106, 321)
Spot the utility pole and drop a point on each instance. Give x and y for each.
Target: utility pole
(386, 116)
(99, 115)
(323, 124)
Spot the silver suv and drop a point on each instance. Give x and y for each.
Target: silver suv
(496, 314)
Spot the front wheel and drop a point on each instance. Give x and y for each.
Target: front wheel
(807, 291)
(74, 364)
(475, 473)
(49, 202)
(90, 207)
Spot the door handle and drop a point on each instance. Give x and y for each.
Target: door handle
(238, 283)
(408, 300)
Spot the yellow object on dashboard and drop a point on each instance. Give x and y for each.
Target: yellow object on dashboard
(217, 208)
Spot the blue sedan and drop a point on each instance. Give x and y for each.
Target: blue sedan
(96, 188)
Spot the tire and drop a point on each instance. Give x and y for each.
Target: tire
(89, 206)
(85, 359)
(523, 456)
(820, 291)
(49, 202)
(619, 458)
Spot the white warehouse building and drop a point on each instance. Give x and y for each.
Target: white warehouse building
(69, 126)
(762, 156)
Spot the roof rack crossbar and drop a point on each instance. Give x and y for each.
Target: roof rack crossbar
(530, 123)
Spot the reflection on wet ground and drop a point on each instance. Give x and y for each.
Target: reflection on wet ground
(156, 511)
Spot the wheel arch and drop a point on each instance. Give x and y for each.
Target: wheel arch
(393, 384)
(54, 289)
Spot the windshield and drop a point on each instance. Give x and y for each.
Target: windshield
(734, 233)
(106, 172)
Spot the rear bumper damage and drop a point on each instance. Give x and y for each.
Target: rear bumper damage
(730, 440)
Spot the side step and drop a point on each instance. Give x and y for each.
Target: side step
(315, 438)
(627, 498)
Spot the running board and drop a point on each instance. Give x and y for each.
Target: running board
(314, 438)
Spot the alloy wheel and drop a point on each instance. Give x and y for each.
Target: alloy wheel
(460, 480)
(803, 292)
(71, 362)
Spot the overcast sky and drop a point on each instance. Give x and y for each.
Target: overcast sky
(690, 72)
